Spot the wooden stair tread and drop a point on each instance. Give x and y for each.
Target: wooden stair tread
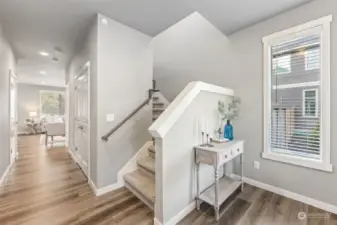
(152, 149)
(158, 109)
(147, 163)
(143, 183)
(158, 104)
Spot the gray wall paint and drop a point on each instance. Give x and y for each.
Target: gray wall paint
(7, 63)
(243, 72)
(121, 74)
(193, 48)
(29, 101)
(125, 67)
(87, 53)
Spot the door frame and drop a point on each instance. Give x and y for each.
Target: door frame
(71, 97)
(10, 76)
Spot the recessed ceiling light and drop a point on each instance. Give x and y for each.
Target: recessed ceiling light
(43, 72)
(44, 53)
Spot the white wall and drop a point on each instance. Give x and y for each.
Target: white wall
(7, 63)
(175, 157)
(125, 75)
(29, 101)
(192, 48)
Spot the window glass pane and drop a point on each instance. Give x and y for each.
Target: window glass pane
(295, 106)
(52, 103)
(281, 64)
(312, 59)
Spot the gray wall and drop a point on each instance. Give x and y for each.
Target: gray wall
(87, 52)
(243, 72)
(125, 67)
(121, 74)
(7, 63)
(29, 101)
(192, 49)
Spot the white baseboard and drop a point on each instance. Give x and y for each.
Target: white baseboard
(129, 167)
(156, 222)
(177, 218)
(5, 175)
(73, 156)
(104, 190)
(301, 198)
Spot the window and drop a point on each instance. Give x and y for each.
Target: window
(281, 64)
(52, 103)
(297, 107)
(310, 102)
(312, 59)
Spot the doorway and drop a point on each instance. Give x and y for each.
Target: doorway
(13, 96)
(82, 118)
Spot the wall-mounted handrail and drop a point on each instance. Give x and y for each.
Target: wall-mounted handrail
(120, 124)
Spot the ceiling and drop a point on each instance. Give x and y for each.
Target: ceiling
(43, 25)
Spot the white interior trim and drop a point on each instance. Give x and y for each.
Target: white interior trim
(132, 165)
(177, 218)
(321, 26)
(298, 161)
(168, 118)
(129, 167)
(301, 198)
(103, 190)
(318, 22)
(5, 175)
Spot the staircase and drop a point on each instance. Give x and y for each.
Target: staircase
(142, 181)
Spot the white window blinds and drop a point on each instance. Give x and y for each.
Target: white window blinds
(294, 126)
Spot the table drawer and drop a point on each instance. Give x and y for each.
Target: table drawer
(237, 149)
(226, 156)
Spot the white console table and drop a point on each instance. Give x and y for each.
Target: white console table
(217, 156)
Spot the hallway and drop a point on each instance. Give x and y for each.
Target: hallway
(45, 186)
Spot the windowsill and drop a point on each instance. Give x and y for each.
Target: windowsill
(298, 161)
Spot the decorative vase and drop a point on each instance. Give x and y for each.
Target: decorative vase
(228, 131)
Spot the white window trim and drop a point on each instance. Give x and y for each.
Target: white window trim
(323, 163)
(303, 103)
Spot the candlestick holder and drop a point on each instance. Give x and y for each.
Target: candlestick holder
(207, 144)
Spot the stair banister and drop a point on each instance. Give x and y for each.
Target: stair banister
(120, 124)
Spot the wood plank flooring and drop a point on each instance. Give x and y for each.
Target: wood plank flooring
(258, 207)
(46, 187)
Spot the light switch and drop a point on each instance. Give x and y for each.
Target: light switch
(110, 117)
(256, 165)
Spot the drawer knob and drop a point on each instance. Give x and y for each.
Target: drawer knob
(238, 150)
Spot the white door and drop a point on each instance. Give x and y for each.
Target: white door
(13, 117)
(81, 123)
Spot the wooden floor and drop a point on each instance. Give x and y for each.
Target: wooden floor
(258, 207)
(46, 187)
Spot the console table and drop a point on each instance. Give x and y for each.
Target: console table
(217, 156)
